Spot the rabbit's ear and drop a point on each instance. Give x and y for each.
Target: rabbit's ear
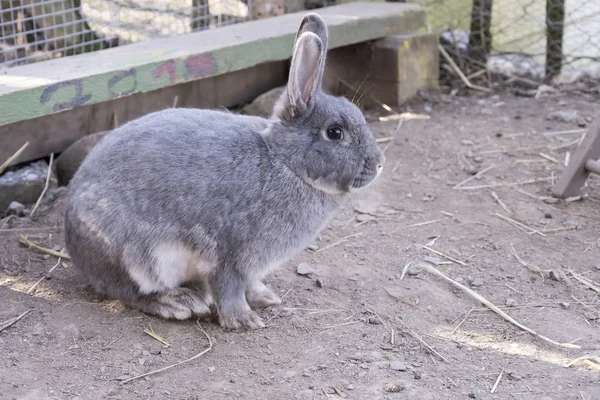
(312, 22)
(306, 73)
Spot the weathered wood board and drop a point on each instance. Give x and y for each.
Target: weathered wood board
(56, 85)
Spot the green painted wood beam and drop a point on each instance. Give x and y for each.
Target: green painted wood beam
(53, 86)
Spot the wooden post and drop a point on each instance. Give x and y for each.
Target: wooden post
(583, 162)
(480, 39)
(555, 21)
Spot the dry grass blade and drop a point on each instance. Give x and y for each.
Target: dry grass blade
(529, 266)
(155, 336)
(405, 116)
(501, 203)
(424, 223)
(590, 361)
(507, 184)
(420, 340)
(518, 224)
(206, 350)
(13, 321)
(44, 277)
(439, 253)
(494, 308)
(587, 282)
(497, 382)
(39, 200)
(31, 245)
(462, 321)
(13, 158)
(462, 76)
(477, 175)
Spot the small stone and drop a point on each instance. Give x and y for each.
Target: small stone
(350, 387)
(581, 122)
(510, 302)
(57, 248)
(478, 159)
(472, 395)
(320, 282)
(562, 115)
(46, 256)
(417, 375)
(409, 195)
(383, 364)
(362, 374)
(141, 361)
(398, 366)
(211, 369)
(555, 276)
(565, 304)
(547, 215)
(393, 388)
(365, 218)
(146, 353)
(15, 208)
(374, 321)
(466, 142)
(477, 282)
(304, 269)
(550, 200)
(313, 247)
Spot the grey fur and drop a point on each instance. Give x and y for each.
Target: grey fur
(182, 207)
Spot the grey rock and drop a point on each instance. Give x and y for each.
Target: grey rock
(304, 269)
(350, 387)
(211, 369)
(15, 208)
(365, 218)
(477, 282)
(511, 302)
(581, 122)
(398, 366)
(320, 282)
(313, 247)
(19, 185)
(563, 115)
(69, 160)
(395, 387)
(263, 105)
(383, 364)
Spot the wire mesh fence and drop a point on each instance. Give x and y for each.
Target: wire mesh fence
(534, 38)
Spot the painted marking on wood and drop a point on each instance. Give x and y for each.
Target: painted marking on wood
(64, 95)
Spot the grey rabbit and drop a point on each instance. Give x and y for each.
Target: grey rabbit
(183, 209)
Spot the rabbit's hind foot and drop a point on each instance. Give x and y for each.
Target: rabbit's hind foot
(178, 303)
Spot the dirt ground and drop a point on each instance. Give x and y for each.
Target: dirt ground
(359, 332)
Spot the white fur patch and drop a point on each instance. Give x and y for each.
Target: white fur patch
(176, 264)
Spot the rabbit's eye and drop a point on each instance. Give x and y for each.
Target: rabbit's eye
(335, 133)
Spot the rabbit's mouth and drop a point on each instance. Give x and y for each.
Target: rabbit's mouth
(366, 177)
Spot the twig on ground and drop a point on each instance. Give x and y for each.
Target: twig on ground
(342, 240)
(462, 321)
(477, 175)
(494, 308)
(39, 200)
(506, 184)
(13, 321)
(497, 382)
(424, 223)
(405, 270)
(587, 282)
(155, 336)
(206, 350)
(420, 340)
(338, 325)
(13, 158)
(592, 361)
(31, 245)
(501, 203)
(439, 253)
(547, 157)
(44, 277)
(529, 266)
(518, 224)
(462, 76)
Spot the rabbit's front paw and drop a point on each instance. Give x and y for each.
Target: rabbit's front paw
(247, 319)
(261, 296)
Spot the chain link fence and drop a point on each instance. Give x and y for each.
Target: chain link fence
(537, 39)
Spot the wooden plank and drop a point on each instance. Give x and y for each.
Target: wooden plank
(56, 85)
(53, 133)
(575, 174)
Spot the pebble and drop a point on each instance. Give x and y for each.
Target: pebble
(383, 364)
(365, 218)
(563, 115)
(313, 247)
(550, 200)
(15, 208)
(211, 369)
(393, 388)
(565, 304)
(320, 282)
(477, 282)
(547, 215)
(362, 374)
(511, 302)
(417, 375)
(374, 321)
(304, 269)
(581, 122)
(350, 387)
(398, 366)
(466, 142)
